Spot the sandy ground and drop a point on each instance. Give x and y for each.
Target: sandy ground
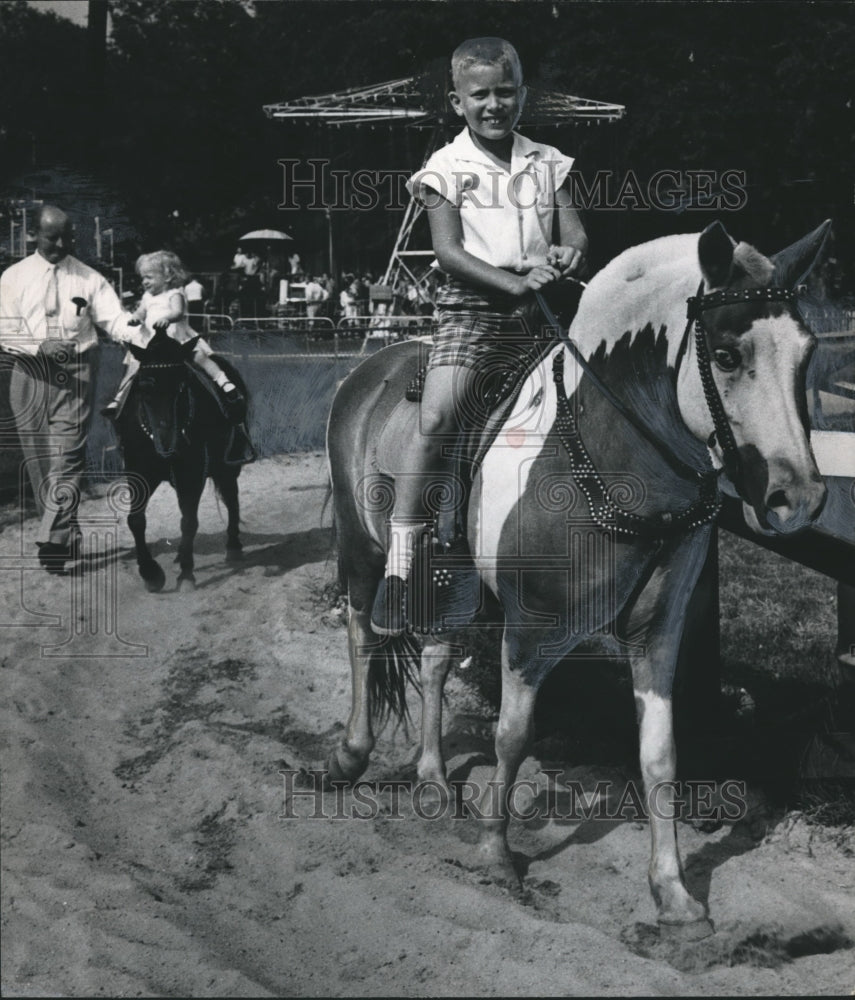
(144, 851)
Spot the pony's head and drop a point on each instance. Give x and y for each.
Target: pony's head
(758, 348)
(162, 403)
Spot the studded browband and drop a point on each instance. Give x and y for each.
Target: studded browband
(699, 303)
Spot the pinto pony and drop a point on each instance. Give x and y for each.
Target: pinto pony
(172, 429)
(591, 511)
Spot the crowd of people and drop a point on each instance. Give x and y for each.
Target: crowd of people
(253, 289)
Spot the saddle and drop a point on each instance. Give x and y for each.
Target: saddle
(444, 588)
(239, 449)
(497, 399)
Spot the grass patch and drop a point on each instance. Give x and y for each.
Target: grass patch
(778, 619)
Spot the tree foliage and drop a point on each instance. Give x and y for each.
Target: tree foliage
(178, 125)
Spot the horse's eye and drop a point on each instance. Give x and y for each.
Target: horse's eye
(727, 359)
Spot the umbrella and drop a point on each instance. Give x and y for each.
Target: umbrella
(265, 234)
(268, 237)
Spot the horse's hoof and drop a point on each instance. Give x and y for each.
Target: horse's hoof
(697, 930)
(234, 554)
(186, 585)
(153, 577)
(433, 780)
(499, 867)
(344, 767)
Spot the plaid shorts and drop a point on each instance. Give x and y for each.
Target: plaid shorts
(478, 330)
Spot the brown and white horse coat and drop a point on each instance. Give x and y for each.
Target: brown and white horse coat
(560, 572)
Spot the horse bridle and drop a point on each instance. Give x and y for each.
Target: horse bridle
(605, 512)
(144, 423)
(697, 305)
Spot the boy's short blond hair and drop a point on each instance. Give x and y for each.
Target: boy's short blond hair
(485, 51)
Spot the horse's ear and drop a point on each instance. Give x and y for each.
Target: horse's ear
(793, 265)
(138, 352)
(190, 346)
(715, 253)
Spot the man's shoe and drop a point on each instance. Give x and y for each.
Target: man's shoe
(389, 614)
(53, 556)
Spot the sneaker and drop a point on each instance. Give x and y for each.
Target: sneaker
(389, 614)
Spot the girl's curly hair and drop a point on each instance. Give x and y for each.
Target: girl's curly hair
(168, 263)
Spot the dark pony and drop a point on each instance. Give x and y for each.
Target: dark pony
(172, 428)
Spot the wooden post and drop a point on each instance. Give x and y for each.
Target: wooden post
(697, 682)
(846, 630)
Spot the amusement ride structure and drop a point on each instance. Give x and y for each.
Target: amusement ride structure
(421, 102)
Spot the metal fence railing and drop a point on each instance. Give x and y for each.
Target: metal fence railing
(825, 319)
(375, 332)
(312, 336)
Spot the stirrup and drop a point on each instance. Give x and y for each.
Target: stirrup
(445, 587)
(234, 405)
(389, 613)
(239, 447)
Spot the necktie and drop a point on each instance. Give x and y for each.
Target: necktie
(52, 293)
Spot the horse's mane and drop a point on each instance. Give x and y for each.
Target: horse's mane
(643, 288)
(752, 263)
(646, 285)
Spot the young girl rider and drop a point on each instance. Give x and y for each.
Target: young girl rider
(492, 197)
(164, 307)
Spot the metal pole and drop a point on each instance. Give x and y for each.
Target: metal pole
(330, 241)
(98, 237)
(24, 232)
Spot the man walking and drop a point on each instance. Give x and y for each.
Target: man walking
(50, 304)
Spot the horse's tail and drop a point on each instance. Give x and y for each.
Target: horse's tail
(327, 502)
(393, 665)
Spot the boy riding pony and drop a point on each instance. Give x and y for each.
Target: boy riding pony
(493, 199)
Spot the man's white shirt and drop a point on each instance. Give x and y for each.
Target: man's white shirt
(24, 323)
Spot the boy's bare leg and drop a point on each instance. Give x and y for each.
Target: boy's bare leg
(444, 414)
(442, 417)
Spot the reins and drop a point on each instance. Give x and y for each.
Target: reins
(661, 446)
(604, 511)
